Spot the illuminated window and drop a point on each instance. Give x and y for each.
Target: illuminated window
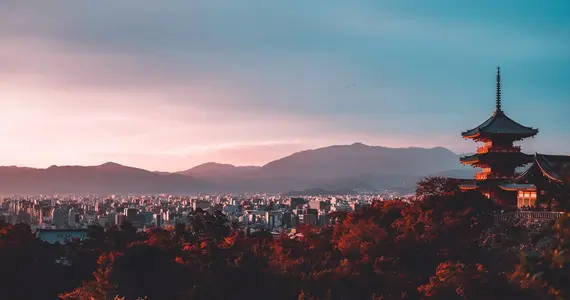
(526, 198)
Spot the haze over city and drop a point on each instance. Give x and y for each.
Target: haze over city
(169, 86)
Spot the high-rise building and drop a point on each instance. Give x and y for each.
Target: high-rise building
(71, 218)
(131, 214)
(60, 217)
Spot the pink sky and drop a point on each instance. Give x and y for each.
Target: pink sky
(50, 116)
(82, 84)
(43, 125)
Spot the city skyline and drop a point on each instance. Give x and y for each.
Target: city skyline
(170, 87)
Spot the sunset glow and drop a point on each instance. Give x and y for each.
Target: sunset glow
(82, 86)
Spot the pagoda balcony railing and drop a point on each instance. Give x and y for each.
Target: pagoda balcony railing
(487, 149)
(481, 176)
(529, 215)
(484, 175)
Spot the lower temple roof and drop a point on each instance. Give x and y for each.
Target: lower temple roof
(517, 187)
(554, 167)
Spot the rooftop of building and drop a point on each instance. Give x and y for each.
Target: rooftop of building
(555, 167)
(499, 123)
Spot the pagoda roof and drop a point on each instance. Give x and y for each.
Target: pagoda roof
(554, 167)
(476, 158)
(468, 159)
(500, 124)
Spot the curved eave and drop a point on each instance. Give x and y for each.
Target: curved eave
(484, 158)
(542, 167)
(478, 134)
(475, 131)
(518, 187)
(522, 175)
(500, 125)
(470, 134)
(469, 160)
(467, 187)
(545, 170)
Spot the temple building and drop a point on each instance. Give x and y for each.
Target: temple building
(544, 180)
(498, 158)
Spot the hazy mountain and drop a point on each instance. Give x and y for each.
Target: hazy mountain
(162, 173)
(463, 173)
(349, 167)
(356, 166)
(212, 169)
(359, 159)
(105, 178)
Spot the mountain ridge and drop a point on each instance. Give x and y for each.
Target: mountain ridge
(211, 169)
(356, 166)
(358, 158)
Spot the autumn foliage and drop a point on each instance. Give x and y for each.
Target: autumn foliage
(443, 247)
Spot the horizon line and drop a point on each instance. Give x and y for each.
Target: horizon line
(210, 162)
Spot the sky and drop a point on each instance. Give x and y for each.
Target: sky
(170, 85)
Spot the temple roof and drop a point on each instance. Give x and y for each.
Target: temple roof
(517, 187)
(499, 122)
(468, 186)
(555, 167)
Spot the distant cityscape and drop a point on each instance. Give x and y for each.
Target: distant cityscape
(60, 219)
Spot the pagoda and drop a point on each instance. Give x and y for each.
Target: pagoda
(498, 158)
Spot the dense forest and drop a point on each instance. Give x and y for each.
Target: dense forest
(448, 245)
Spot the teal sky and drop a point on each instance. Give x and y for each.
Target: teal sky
(168, 85)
